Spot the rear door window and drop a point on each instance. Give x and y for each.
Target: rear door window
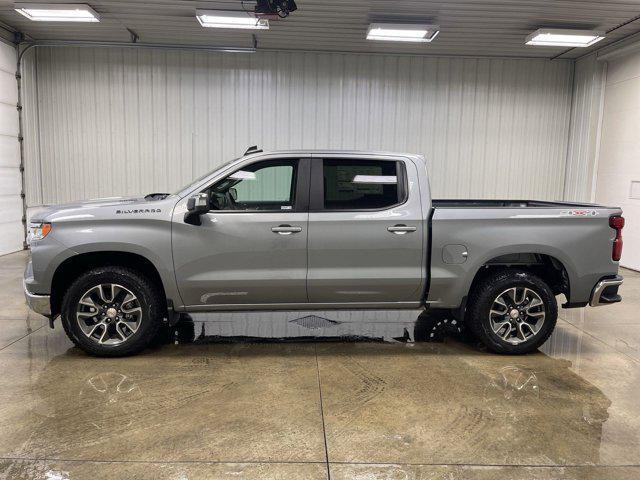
(361, 184)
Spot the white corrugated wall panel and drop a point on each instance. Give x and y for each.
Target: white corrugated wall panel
(11, 230)
(125, 121)
(584, 132)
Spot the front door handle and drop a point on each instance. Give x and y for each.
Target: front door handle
(285, 229)
(401, 229)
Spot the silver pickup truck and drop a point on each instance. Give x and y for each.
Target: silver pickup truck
(318, 230)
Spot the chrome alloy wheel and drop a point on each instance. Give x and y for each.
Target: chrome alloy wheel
(109, 314)
(517, 315)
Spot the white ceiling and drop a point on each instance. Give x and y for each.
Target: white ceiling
(468, 27)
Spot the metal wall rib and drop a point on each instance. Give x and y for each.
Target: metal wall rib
(111, 121)
(588, 89)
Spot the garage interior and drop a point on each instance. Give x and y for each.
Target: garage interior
(146, 99)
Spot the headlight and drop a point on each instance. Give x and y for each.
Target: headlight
(37, 231)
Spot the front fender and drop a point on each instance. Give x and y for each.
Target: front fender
(147, 237)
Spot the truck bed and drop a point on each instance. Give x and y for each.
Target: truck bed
(468, 234)
(454, 203)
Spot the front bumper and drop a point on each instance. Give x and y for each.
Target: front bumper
(38, 303)
(606, 291)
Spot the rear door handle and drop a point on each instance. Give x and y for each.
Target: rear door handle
(401, 229)
(285, 229)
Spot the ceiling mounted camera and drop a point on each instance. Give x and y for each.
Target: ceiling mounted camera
(275, 8)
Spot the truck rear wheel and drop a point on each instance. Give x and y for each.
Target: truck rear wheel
(512, 312)
(112, 311)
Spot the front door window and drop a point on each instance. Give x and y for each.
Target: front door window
(262, 186)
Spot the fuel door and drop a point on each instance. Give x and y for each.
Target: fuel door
(455, 254)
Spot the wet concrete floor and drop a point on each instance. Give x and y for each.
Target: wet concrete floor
(325, 409)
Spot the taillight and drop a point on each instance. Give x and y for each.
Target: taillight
(617, 223)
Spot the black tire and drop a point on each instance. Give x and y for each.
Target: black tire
(151, 300)
(482, 299)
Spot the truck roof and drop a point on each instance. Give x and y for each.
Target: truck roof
(333, 152)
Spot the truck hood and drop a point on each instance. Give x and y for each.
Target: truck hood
(51, 212)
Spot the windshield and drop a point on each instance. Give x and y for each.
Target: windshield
(202, 177)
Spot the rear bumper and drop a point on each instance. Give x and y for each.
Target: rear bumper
(38, 303)
(606, 291)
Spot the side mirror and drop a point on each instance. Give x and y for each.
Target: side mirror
(233, 193)
(196, 206)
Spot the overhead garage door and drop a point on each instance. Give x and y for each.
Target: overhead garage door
(11, 232)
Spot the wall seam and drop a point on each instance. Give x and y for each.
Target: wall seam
(603, 84)
(569, 130)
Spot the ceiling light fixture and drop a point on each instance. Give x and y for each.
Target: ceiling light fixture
(402, 32)
(562, 37)
(231, 19)
(57, 12)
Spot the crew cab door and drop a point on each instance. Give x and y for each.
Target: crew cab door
(251, 247)
(365, 231)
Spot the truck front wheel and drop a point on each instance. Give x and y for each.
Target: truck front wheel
(512, 312)
(112, 311)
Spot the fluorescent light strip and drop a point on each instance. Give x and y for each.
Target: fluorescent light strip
(377, 179)
(400, 32)
(231, 19)
(57, 12)
(552, 37)
(390, 32)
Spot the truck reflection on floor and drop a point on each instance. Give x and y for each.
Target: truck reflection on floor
(378, 325)
(437, 401)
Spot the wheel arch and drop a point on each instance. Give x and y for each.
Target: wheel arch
(73, 266)
(548, 267)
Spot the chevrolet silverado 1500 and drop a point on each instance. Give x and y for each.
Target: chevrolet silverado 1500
(318, 230)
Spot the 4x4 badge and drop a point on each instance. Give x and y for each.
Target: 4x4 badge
(579, 213)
